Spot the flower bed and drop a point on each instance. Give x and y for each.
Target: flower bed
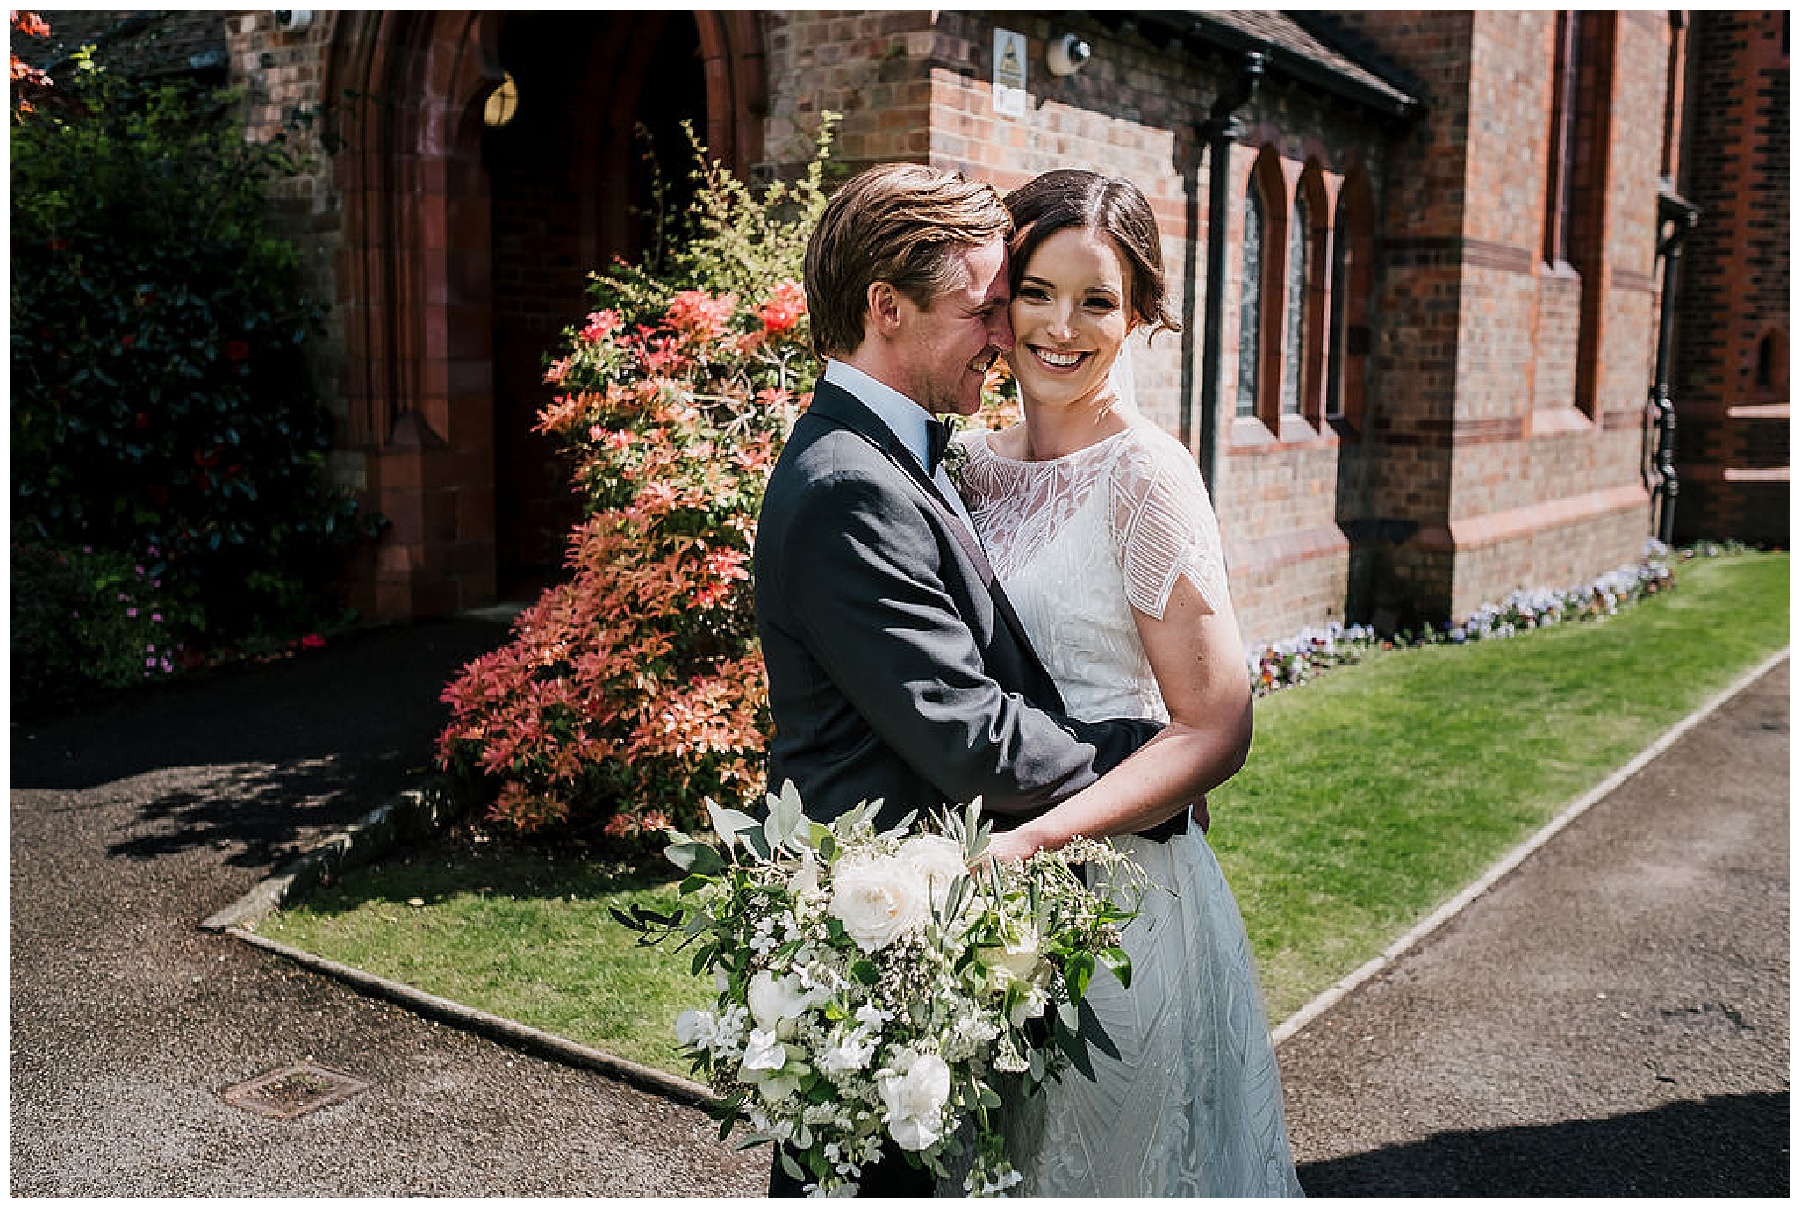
(1315, 650)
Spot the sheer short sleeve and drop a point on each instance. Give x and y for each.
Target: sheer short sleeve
(1163, 525)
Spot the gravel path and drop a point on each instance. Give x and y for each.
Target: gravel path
(1610, 1019)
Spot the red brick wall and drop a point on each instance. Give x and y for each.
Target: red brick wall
(1479, 438)
(1732, 446)
(281, 74)
(912, 88)
(1471, 471)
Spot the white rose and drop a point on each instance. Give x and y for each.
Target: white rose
(697, 1028)
(938, 859)
(1017, 961)
(914, 1093)
(763, 1051)
(773, 999)
(879, 900)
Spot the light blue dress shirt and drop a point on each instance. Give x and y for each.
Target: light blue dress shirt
(904, 418)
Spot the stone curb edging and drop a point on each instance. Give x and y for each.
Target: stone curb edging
(1507, 863)
(416, 813)
(495, 1027)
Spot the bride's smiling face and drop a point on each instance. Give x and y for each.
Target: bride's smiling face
(1070, 318)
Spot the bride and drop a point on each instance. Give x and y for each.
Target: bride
(1099, 528)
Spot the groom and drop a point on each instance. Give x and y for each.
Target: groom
(897, 669)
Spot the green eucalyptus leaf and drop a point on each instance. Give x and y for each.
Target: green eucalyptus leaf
(1077, 972)
(1119, 962)
(1070, 1042)
(728, 823)
(755, 842)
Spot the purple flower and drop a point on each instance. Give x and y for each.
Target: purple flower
(130, 612)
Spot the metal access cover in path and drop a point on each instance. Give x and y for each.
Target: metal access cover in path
(285, 1094)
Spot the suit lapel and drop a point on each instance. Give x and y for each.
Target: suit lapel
(838, 406)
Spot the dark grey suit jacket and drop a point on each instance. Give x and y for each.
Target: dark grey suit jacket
(897, 670)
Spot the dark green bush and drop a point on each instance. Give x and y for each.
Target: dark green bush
(84, 620)
(161, 406)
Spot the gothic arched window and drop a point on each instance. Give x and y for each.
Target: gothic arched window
(1250, 300)
(1294, 333)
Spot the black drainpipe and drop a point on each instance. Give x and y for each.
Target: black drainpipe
(1680, 217)
(1220, 129)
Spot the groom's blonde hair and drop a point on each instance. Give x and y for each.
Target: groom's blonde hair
(895, 223)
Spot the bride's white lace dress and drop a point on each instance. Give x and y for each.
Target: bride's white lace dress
(1193, 1107)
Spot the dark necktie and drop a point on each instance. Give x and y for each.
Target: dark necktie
(937, 439)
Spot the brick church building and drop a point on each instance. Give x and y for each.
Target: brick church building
(1420, 257)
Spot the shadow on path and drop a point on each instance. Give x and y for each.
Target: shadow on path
(1728, 1145)
(256, 757)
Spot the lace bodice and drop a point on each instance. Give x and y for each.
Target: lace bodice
(1192, 1106)
(1079, 541)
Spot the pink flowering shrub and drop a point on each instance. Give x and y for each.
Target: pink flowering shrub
(634, 690)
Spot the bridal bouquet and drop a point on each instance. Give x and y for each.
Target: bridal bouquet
(872, 985)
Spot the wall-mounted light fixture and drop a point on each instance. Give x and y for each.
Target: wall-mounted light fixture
(502, 103)
(1066, 54)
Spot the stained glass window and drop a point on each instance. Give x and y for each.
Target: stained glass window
(1250, 303)
(1293, 349)
(1340, 312)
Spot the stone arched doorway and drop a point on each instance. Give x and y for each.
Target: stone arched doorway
(465, 252)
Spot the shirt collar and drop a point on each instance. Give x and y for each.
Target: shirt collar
(904, 418)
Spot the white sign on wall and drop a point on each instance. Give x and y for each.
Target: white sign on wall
(1009, 72)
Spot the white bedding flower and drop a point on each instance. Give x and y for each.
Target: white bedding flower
(853, 1052)
(697, 1028)
(878, 900)
(1036, 1000)
(914, 1093)
(763, 1051)
(774, 999)
(806, 880)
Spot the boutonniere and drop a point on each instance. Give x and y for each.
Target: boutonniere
(955, 457)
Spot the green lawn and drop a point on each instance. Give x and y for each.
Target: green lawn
(1371, 796)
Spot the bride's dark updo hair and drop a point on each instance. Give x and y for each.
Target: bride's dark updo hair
(1071, 197)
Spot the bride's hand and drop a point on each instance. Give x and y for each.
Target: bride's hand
(1011, 846)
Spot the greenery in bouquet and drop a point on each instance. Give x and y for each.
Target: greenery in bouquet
(883, 986)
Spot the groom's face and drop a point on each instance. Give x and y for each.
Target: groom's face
(947, 348)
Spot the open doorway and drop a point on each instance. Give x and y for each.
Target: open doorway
(570, 192)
